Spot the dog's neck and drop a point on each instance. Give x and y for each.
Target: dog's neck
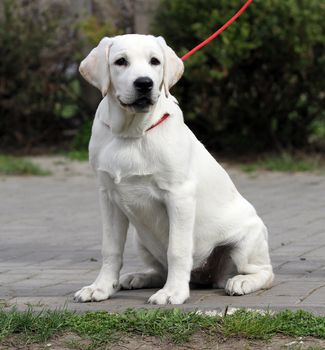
(127, 124)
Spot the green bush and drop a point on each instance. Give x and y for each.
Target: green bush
(42, 97)
(37, 73)
(261, 84)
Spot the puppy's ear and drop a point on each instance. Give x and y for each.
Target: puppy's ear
(94, 68)
(173, 65)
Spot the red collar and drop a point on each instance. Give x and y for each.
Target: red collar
(164, 117)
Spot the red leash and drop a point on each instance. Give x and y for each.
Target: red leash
(219, 31)
(198, 47)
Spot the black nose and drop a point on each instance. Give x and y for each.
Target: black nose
(143, 84)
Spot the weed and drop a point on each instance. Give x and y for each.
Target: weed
(174, 325)
(78, 155)
(285, 163)
(10, 165)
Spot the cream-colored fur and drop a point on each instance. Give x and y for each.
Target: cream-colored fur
(162, 184)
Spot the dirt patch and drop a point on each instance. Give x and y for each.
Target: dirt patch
(60, 166)
(198, 341)
(204, 342)
(66, 341)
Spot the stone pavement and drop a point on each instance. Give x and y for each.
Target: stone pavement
(50, 241)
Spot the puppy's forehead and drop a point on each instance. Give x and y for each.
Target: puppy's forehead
(135, 43)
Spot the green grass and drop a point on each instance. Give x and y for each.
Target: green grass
(285, 163)
(100, 328)
(10, 165)
(77, 155)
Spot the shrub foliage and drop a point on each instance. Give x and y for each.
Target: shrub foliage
(261, 84)
(36, 73)
(42, 101)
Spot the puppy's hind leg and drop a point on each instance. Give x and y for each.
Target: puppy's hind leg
(251, 258)
(154, 277)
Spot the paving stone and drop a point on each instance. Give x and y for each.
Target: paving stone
(315, 296)
(51, 239)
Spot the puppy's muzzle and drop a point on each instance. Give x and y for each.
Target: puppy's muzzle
(143, 87)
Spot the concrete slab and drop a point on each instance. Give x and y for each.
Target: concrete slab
(50, 238)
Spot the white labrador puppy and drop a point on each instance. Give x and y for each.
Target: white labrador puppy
(156, 179)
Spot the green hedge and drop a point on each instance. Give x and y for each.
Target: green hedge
(41, 97)
(261, 84)
(36, 88)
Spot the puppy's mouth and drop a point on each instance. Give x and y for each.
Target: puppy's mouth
(140, 103)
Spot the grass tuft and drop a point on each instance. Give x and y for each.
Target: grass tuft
(250, 325)
(174, 324)
(284, 162)
(100, 328)
(10, 165)
(33, 326)
(77, 155)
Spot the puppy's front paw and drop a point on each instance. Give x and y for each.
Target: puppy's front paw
(167, 296)
(94, 293)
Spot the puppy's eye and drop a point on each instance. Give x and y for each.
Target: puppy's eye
(154, 61)
(121, 62)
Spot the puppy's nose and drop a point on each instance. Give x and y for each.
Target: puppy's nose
(143, 84)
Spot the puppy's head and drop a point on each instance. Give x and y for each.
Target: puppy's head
(133, 69)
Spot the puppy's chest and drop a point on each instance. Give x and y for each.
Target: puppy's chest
(131, 171)
(138, 196)
(123, 160)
